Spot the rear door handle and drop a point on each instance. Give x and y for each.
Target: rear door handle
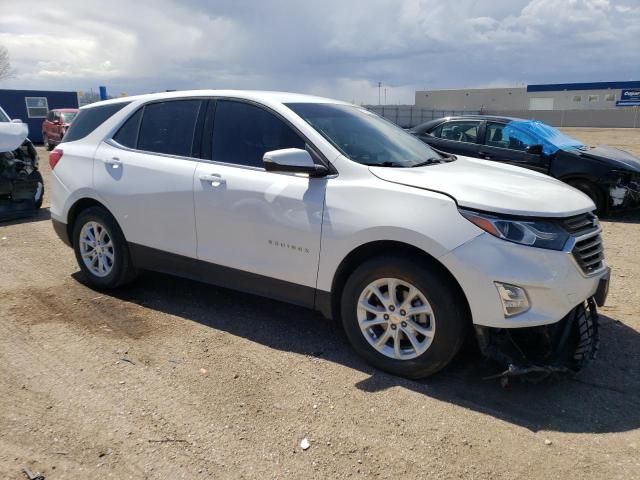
(215, 179)
(114, 162)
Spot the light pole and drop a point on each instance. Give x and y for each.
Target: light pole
(379, 87)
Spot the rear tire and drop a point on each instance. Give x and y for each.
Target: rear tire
(593, 192)
(427, 342)
(101, 249)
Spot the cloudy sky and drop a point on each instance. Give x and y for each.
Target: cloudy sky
(337, 48)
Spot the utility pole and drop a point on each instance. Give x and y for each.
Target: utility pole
(379, 87)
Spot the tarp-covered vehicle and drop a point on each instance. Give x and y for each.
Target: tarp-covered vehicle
(607, 175)
(21, 185)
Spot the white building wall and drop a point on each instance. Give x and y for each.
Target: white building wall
(497, 99)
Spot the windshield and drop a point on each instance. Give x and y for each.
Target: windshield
(67, 117)
(363, 136)
(552, 138)
(3, 116)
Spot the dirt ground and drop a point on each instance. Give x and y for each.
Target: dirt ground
(174, 379)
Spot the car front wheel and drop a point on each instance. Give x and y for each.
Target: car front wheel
(402, 317)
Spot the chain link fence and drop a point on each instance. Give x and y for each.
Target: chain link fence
(408, 116)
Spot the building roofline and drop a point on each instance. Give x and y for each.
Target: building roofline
(558, 87)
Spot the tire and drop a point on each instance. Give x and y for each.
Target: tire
(46, 142)
(447, 321)
(118, 269)
(38, 176)
(593, 192)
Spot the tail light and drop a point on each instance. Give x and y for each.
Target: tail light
(54, 157)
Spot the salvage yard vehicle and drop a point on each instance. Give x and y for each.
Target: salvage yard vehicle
(608, 175)
(21, 185)
(56, 124)
(326, 205)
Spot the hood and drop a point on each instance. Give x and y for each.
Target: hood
(612, 156)
(12, 135)
(493, 187)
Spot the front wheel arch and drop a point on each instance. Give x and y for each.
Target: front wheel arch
(379, 248)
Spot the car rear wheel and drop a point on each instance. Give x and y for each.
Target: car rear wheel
(46, 142)
(101, 249)
(402, 317)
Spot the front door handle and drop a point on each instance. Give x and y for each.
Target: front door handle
(215, 179)
(114, 162)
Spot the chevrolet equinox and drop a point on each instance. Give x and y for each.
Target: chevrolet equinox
(326, 205)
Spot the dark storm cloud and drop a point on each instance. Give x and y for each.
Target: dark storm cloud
(335, 48)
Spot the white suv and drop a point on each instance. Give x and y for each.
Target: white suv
(324, 204)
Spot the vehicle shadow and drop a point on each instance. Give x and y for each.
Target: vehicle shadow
(631, 216)
(604, 398)
(18, 218)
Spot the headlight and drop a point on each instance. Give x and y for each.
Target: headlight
(536, 233)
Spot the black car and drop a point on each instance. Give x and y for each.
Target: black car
(21, 184)
(609, 176)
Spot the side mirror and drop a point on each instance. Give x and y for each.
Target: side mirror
(16, 120)
(534, 149)
(292, 160)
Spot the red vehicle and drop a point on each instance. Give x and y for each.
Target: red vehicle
(56, 124)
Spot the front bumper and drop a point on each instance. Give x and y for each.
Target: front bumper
(535, 353)
(554, 282)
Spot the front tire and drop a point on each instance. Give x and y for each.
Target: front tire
(101, 249)
(403, 317)
(593, 192)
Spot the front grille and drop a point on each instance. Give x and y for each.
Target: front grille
(581, 224)
(588, 250)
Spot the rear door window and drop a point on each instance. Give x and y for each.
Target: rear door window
(463, 131)
(243, 133)
(89, 119)
(503, 135)
(169, 127)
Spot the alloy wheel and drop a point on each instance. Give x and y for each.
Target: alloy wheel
(396, 318)
(96, 249)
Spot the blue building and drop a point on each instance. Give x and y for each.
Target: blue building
(31, 106)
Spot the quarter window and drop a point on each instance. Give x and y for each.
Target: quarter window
(168, 127)
(243, 133)
(505, 136)
(127, 135)
(88, 119)
(458, 131)
(37, 107)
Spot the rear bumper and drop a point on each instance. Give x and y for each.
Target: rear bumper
(61, 230)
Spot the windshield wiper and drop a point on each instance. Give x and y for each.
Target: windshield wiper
(429, 161)
(385, 164)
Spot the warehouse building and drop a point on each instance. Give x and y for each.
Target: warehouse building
(561, 96)
(31, 106)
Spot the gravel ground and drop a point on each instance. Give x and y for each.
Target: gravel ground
(175, 379)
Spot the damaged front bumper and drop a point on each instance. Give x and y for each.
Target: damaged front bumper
(625, 194)
(536, 353)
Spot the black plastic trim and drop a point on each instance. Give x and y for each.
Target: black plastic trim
(147, 258)
(61, 230)
(323, 303)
